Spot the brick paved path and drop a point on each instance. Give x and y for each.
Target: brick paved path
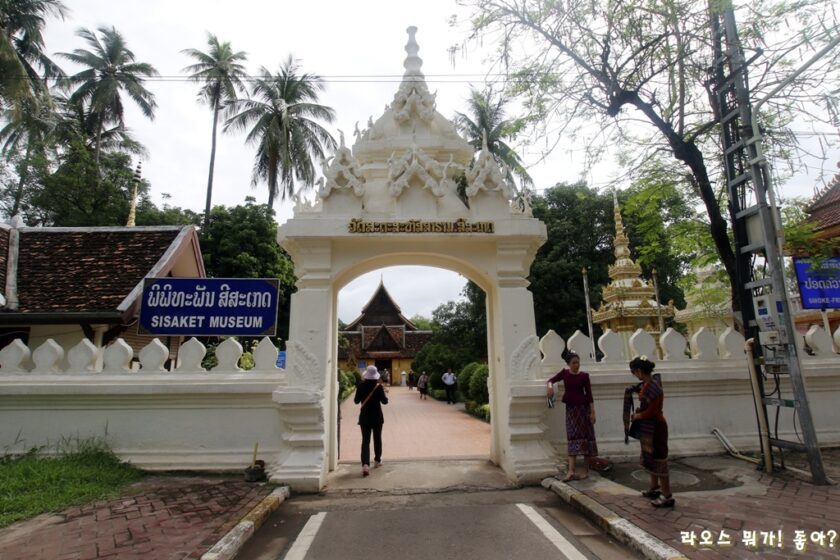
(417, 429)
(156, 519)
(785, 504)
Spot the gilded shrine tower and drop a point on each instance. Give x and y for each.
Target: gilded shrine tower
(629, 301)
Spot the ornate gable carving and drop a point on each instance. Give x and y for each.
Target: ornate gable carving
(341, 172)
(415, 163)
(486, 175)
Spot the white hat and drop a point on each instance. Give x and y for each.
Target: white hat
(371, 373)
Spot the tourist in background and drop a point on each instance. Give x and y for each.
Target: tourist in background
(449, 379)
(412, 379)
(423, 385)
(653, 431)
(371, 393)
(580, 414)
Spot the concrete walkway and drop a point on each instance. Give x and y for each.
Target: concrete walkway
(417, 429)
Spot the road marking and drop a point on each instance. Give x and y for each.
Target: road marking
(305, 538)
(558, 540)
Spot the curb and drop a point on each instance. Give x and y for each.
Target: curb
(615, 525)
(229, 545)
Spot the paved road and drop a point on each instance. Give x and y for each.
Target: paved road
(433, 498)
(501, 524)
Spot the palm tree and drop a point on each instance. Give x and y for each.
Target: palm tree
(110, 70)
(22, 48)
(487, 118)
(282, 113)
(220, 71)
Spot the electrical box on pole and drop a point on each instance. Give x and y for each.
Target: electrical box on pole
(759, 261)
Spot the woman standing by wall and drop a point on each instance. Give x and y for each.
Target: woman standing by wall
(653, 433)
(580, 414)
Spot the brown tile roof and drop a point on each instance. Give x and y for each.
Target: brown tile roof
(825, 209)
(88, 270)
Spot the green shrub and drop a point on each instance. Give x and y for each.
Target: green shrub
(465, 376)
(347, 381)
(478, 385)
(438, 394)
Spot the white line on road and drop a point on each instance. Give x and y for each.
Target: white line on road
(558, 540)
(305, 538)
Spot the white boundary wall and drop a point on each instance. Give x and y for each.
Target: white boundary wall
(210, 420)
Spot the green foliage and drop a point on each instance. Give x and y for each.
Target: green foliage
(435, 358)
(32, 484)
(580, 227)
(240, 242)
(282, 115)
(659, 217)
(422, 323)
(462, 325)
(347, 381)
(465, 376)
(77, 194)
(478, 410)
(478, 385)
(487, 122)
(800, 238)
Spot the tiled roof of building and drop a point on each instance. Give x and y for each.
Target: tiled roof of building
(825, 209)
(90, 270)
(381, 309)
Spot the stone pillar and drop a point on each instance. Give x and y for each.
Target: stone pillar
(310, 373)
(518, 399)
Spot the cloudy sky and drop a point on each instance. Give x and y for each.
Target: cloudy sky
(358, 47)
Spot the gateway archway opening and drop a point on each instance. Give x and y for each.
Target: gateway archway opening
(394, 200)
(385, 319)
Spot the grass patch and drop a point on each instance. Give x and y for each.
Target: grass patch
(32, 484)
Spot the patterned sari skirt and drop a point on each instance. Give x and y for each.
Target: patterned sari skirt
(654, 442)
(580, 433)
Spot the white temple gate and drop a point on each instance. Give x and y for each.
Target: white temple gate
(393, 200)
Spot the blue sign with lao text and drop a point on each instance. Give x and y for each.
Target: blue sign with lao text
(209, 306)
(820, 286)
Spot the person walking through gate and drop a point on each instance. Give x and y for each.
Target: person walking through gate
(653, 433)
(372, 394)
(580, 414)
(449, 381)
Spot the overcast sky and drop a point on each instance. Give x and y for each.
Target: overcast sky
(357, 46)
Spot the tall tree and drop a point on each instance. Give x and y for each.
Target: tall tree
(636, 71)
(221, 72)
(110, 70)
(283, 114)
(580, 227)
(486, 120)
(23, 64)
(241, 242)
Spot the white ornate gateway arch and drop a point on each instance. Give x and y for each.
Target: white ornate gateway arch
(393, 200)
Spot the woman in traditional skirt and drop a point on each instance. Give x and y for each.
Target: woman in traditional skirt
(580, 414)
(654, 433)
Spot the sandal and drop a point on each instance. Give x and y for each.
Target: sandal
(663, 501)
(652, 493)
(571, 477)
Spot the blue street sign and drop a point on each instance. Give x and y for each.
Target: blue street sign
(209, 306)
(820, 288)
(281, 359)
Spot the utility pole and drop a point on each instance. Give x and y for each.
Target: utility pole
(759, 266)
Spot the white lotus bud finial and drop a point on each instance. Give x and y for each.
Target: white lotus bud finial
(412, 63)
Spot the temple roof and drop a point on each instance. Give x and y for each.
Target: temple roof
(824, 210)
(380, 310)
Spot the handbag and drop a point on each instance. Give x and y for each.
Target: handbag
(635, 429)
